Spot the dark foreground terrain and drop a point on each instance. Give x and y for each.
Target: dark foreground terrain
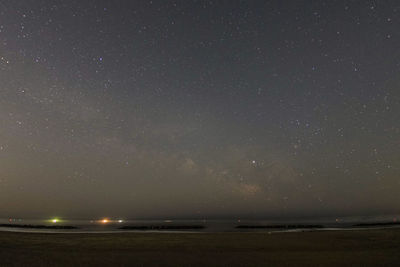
(320, 248)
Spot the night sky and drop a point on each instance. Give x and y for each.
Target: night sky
(199, 109)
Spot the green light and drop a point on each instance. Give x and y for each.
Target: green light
(54, 220)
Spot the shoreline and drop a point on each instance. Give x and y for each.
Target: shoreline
(263, 231)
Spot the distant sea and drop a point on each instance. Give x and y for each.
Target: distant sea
(201, 226)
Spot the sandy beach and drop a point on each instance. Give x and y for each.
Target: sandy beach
(319, 248)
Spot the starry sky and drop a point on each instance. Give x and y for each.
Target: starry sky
(199, 109)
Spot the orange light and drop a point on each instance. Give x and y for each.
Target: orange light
(105, 221)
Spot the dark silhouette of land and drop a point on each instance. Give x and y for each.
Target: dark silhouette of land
(280, 226)
(162, 227)
(30, 226)
(315, 248)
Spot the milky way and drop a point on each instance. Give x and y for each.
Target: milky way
(203, 109)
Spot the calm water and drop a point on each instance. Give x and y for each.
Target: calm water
(113, 225)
